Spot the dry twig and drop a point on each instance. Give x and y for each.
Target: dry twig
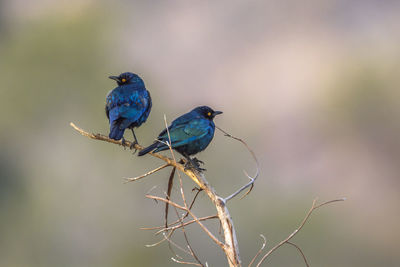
(301, 252)
(146, 174)
(177, 221)
(259, 251)
(211, 235)
(187, 240)
(186, 223)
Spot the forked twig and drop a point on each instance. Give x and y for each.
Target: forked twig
(313, 207)
(177, 221)
(185, 224)
(219, 243)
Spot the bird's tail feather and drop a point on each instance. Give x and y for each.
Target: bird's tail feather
(115, 132)
(146, 150)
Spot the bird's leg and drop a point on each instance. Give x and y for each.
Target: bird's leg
(134, 136)
(134, 143)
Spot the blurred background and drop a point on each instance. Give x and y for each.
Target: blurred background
(311, 86)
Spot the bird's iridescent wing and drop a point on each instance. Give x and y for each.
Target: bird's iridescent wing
(185, 133)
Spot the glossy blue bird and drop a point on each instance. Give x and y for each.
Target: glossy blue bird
(128, 105)
(190, 134)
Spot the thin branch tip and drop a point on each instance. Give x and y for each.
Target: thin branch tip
(252, 179)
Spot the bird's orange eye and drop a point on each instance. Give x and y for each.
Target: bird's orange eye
(209, 114)
(123, 80)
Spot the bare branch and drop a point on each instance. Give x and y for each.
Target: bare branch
(219, 243)
(103, 137)
(313, 207)
(127, 180)
(185, 224)
(301, 252)
(138, 147)
(183, 217)
(252, 179)
(166, 201)
(177, 221)
(187, 240)
(230, 247)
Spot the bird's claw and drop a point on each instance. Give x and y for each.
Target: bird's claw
(200, 169)
(193, 165)
(123, 143)
(132, 146)
(197, 161)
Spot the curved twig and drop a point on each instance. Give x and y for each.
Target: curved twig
(252, 179)
(301, 252)
(259, 251)
(159, 242)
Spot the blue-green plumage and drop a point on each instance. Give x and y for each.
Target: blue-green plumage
(128, 105)
(190, 133)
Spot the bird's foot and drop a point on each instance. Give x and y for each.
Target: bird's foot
(123, 143)
(194, 165)
(132, 146)
(197, 161)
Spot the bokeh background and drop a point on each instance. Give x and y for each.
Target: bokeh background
(311, 85)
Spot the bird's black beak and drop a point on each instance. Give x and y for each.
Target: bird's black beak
(115, 78)
(215, 113)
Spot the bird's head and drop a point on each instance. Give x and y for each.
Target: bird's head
(207, 112)
(126, 78)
